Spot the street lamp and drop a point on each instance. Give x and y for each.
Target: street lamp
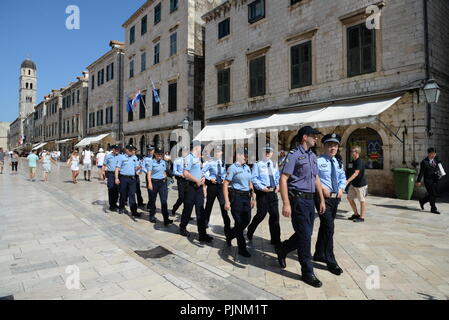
(432, 91)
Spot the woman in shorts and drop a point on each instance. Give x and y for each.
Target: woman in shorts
(73, 163)
(46, 160)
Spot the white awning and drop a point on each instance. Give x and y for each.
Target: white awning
(91, 140)
(63, 141)
(41, 145)
(330, 116)
(234, 129)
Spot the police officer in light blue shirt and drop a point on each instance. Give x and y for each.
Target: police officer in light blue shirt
(333, 182)
(125, 176)
(194, 194)
(178, 172)
(157, 185)
(109, 165)
(138, 172)
(298, 184)
(239, 199)
(215, 173)
(145, 163)
(265, 178)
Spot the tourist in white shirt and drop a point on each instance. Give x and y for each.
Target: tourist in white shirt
(87, 163)
(100, 161)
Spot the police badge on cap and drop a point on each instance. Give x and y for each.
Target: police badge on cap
(332, 137)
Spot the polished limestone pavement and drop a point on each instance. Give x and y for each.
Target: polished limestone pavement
(47, 227)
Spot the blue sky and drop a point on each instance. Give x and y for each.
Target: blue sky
(37, 29)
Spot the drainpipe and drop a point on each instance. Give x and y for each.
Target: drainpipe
(427, 55)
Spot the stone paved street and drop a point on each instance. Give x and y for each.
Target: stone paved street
(45, 228)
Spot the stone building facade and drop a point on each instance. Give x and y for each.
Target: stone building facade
(104, 113)
(164, 47)
(39, 116)
(285, 56)
(4, 128)
(53, 124)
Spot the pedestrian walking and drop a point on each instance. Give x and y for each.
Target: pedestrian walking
(215, 173)
(265, 178)
(125, 176)
(239, 197)
(194, 194)
(178, 172)
(2, 160)
(358, 186)
(14, 161)
(109, 165)
(430, 171)
(157, 172)
(100, 161)
(333, 183)
(32, 164)
(46, 161)
(87, 163)
(73, 162)
(298, 184)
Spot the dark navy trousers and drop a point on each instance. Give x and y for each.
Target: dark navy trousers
(113, 190)
(303, 216)
(241, 212)
(194, 196)
(215, 191)
(267, 202)
(128, 191)
(138, 191)
(159, 188)
(324, 247)
(181, 191)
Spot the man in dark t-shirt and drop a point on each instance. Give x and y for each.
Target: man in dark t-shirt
(358, 186)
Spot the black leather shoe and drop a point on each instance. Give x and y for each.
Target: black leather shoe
(319, 259)
(229, 240)
(244, 253)
(274, 243)
(312, 280)
(184, 232)
(354, 216)
(206, 238)
(421, 204)
(136, 214)
(335, 270)
(167, 222)
(153, 220)
(113, 209)
(435, 211)
(359, 219)
(281, 256)
(121, 211)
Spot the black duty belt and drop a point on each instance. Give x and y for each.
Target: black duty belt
(109, 171)
(333, 195)
(131, 177)
(302, 195)
(209, 183)
(241, 193)
(179, 178)
(159, 180)
(270, 190)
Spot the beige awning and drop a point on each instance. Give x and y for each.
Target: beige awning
(39, 146)
(91, 140)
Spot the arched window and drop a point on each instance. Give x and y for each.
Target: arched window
(29, 72)
(131, 141)
(26, 85)
(157, 141)
(31, 86)
(370, 144)
(142, 145)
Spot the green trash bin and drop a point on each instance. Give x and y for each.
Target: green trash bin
(404, 182)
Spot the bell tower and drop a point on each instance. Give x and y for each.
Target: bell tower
(27, 91)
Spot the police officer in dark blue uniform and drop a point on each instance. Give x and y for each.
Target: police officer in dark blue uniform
(298, 184)
(239, 198)
(265, 178)
(178, 172)
(215, 172)
(333, 183)
(125, 176)
(109, 165)
(157, 184)
(138, 190)
(194, 194)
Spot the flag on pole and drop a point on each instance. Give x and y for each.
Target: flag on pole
(155, 94)
(136, 100)
(129, 106)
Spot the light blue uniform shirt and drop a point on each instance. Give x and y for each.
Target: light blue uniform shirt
(261, 175)
(193, 165)
(239, 177)
(145, 163)
(178, 167)
(210, 170)
(325, 172)
(110, 161)
(127, 165)
(157, 168)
